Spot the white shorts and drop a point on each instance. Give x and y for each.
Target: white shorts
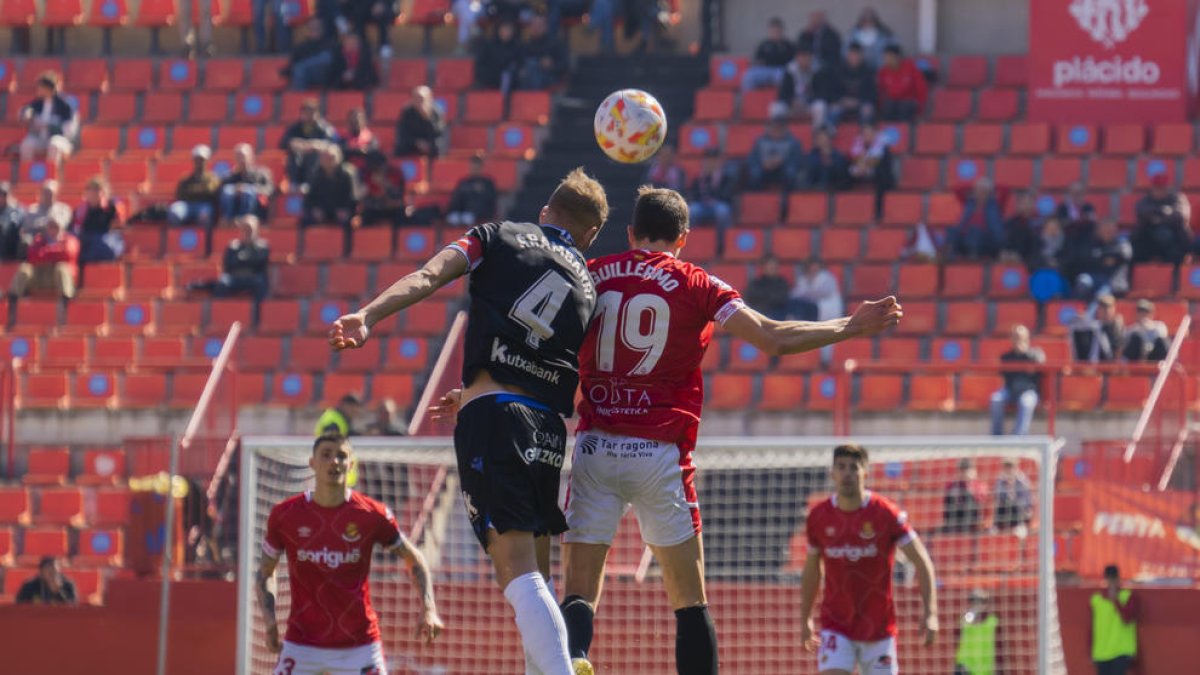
(610, 473)
(837, 652)
(304, 660)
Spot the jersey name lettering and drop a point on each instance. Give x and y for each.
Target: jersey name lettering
(628, 268)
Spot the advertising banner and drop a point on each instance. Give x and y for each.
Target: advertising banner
(1148, 534)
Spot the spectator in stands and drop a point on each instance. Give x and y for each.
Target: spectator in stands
(197, 39)
(603, 16)
(771, 58)
(303, 140)
(1163, 231)
(849, 90)
(378, 13)
(311, 64)
(340, 418)
(11, 216)
(499, 59)
(357, 140)
(386, 422)
(49, 587)
(826, 167)
(1074, 207)
(980, 231)
(1048, 249)
(871, 162)
(51, 263)
(281, 38)
(420, 126)
(383, 192)
(246, 189)
(1014, 499)
(1101, 263)
(466, 15)
(902, 87)
(331, 192)
(97, 223)
(35, 217)
(821, 39)
(196, 194)
(1098, 336)
(53, 122)
(768, 292)
(776, 157)
(1146, 339)
(1112, 636)
(711, 194)
(816, 295)
(243, 266)
(474, 198)
(873, 35)
(1021, 387)
(544, 57)
(665, 171)
(964, 501)
(1021, 229)
(803, 88)
(353, 66)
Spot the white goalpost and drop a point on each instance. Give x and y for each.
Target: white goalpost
(754, 495)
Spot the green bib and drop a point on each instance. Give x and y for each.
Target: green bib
(977, 646)
(1111, 637)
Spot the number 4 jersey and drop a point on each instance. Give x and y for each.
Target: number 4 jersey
(640, 362)
(531, 299)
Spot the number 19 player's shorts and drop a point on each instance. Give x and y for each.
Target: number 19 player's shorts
(304, 660)
(610, 472)
(838, 652)
(510, 452)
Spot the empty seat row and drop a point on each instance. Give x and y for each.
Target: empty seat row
(84, 547)
(96, 506)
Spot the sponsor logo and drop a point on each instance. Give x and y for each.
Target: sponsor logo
(851, 553)
(500, 355)
(587, 445)
(612, 394)
(1119, 524)
(329, 558)
(868, 531)
(543, 455)
(472, 512)
(1109, 22)
(351, 534)
(1113, 71)
(304, 532)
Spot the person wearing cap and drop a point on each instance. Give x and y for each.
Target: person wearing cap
(196, 194)
(978, 637)
(1113, 635)
(1146, 338)
(776, 156)
(340, 418)
(11, 216)
(1100, 264)
(52, 261)
(52, 121)
(1100, 335)
(1163, 230)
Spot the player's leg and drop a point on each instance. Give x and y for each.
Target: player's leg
(836, 655)
(683, 579)
(543, 634)
(583, 569)
(878, 657)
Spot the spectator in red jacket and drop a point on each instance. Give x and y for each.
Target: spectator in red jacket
(52, 262)
(902, 88)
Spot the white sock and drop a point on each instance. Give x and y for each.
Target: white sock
(543, 633)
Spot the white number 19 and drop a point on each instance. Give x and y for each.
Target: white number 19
(629, 322)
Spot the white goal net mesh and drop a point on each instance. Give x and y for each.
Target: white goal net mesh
(754, 494)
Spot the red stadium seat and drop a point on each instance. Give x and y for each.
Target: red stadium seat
(405, 74)
(916, 281)
(880, 392)
(144, 390)
(965, 318)
(295, 281)
(484, 107)
(804, 209)
(406, 355)
(339, 104)
(114, 352)
(451, 75)
(63, 14)
(366, 359)
(1149, 168)
(714, 105)
(1060, 172)
(903, 209)
(920, 318)
(1080, 392)
(337, 385)
(944, 209)
(415, 244)
(746, 358)
(225, 74)
(292, 389)
(726, 71)
(66, 352)
(7, 546)
(781, 393)
(885, 245)
(1103, 174)
(745, 245)
(531, 107)
(823, 391)
(1030, 138)
(323, 244)
(935, 139)
(310, 354)
(47, 466)
(982, 139)
(59, 506)
(208, 107)
(1011, 71)
(975, 391)
(756, 106)
(950, 350)
(1173, 139)
(18, 13)
(1124, 139)
(161, 350)
(163, 107)
(112, 507)
(515, 141)
(179, 318)
(729, 391)
(920, 174)
(223, 313)
(697, 139)
(740, 138)
(1075, 139)
(43, 541)
(1127, 392)
(95, 390)
(931, 392)
(130, 74)
(265, 73)
(15, 505)
(1013, 171)
(853, 208)
(176, 74)
(951, 105)
(259, 353)
(967, 71)
(871, 281)
(99, 547)
(1008, 281)
(1152, 280)
(999, 105)
(789, 245)
(399, 388)
(840, 245)
(1060, 315)
(102, 140)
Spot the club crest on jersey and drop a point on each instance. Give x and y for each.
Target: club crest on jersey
(829, 531)
(868, 531)
(351, 534)
(304, 532)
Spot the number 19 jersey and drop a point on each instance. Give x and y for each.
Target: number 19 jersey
(640, 363)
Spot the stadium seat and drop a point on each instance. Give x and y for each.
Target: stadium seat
(144, 390)
(965, 318)
(149, 279)
(515, 141)
(111, 507)
(729, 391)
(99, 547)
(179, 318)
(871, 281)
(880, 392)
(292, 389)
(1008, 281)
(982, 139)
(116, 108)
(259, 353)
(920, 318)
(935, 139)
(102, 281)
(803, 209)
(920, 174)
(745, 245)
(114, 352)
(781, 393)
(208, 107)
(100, 140)
(1011, 71)
(756, 107)
(16, 505)
(931, 392)
(1127, 392)
(975, 390)
(951, 105)
(398, 387)
(1079, 392)
(787, 245)
(130, 74)
(1124, 139)
(532, 107)
(406, 355)
(94, 390)
(735, 274)
(223, 313)
(902, 209)
(295, 281)
(364, 360)
(346, 280)
(1176, 140)
(42, 541)
(970, 72)
(739, 139)
(18, 13)
(1152, 280)
(998, 105)
(886, 245)
(1104, 173)
(59, 506)
(953, 553)
(7, 546)
(714, 105)
(335, 385)
(225, 75)
(746, 358)
(65, 352)
(453, 75)
(1148, 169)
(177, 74)
(725, 71)
(944, 209)
(823, 391)
(147, 140)
(1075, 139)
(163, 107)
(1059, 172)
(324, 244)
(854, 209)
(857, 350)
(962, 280)
(840, 245)
(1029, 138)
(916, 281)
(309, 354)
(47, 466)
(278, 317)
(484, 107)
(503, 172)
(950, 350)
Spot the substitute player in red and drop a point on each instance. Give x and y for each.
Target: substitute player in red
(855, 533)
(328, 534)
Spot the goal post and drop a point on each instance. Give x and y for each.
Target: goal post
(754, 494)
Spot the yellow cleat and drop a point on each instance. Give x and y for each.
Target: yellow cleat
(582, 667)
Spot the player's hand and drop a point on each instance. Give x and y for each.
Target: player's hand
(349, 332)
(875, 316)
(273, 642)
(808, 638)
(430, 627)
(929, 630)
(446, 407)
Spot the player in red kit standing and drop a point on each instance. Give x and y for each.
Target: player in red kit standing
(328, 534)
(855, 533)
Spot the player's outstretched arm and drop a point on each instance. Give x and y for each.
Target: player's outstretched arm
(916, 553)
(431, 624)
(266, 600)
(792, 337)
(810, 582)
(351, 330)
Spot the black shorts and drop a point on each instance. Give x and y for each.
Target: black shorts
(510, 453)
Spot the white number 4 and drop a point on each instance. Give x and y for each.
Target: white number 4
(536, 309)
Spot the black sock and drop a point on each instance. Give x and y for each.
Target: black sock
(578, 615)
(695, 642)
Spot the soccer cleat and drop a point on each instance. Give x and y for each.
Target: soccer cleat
(582, 667)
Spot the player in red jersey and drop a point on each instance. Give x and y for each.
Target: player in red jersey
(328, 534)
(856, 533)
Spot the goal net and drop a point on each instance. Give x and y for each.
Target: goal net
(754, 496)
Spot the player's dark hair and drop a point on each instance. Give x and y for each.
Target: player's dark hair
(775, 22)
(330, 437)
(893, 49)
(659, 214)
(1112, 572)
(46, 561)
(49, 80)
(580, 199)
(855, 452)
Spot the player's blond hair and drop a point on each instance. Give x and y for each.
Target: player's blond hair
(580, 200)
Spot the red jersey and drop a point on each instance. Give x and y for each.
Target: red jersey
(630, 384)
(329, 558)
(858, 549)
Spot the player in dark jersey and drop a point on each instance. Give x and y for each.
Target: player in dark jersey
(328, 534)
(531, 300)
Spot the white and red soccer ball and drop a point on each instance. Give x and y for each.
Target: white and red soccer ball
(630, 126)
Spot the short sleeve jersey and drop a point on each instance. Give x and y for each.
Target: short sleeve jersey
(858, 549)
(632, 383)
(329, 558)
(531, 300)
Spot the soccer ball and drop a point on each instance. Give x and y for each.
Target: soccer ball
(630, 126)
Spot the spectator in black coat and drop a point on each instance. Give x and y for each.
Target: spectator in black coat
(94, 223)
(246, 189)
(420, 126)
(851, 91)
(1049, 247)
(53, 122)
(331, 192)
(776, 157)
(711, 195)
(12, 248)
(1074, 208)
(826, 167)
(821, 39)
(1146, 339)
(49, 587)
(1102, 265)
(770, 58)
(378, 13)
(1021, 228)
(804, 87)
(499, 59)
(383, 192)
(1163, 232)
(1021, 388)
(1100, 335)
(871, 162)
(244, 265)
(474, 198)
(353, 66)
(544, 57)
(312, 62)
(768, 292)
(304, 139)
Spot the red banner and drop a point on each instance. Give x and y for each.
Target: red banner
(1147, 534)
(1097, 61)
